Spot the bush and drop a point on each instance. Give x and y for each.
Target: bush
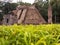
(30, 35)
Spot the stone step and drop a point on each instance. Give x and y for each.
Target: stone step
(22, 16)
(19, 13)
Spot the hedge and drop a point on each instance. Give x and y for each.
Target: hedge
(30, 34)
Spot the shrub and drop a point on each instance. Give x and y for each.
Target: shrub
(30, 35)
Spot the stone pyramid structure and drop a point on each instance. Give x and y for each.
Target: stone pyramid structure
(25, 15)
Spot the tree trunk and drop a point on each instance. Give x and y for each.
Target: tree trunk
(49, 13)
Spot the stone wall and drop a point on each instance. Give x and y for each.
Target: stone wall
(9, 19)
(33, 16)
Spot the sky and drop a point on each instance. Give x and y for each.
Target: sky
(28, 1)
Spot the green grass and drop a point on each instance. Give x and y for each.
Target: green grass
(30, 34)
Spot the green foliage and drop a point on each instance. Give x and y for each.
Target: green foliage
(6, 8)
(30, 35)
(22, 3)
(13, 6)
(54, 7)
(56, 10)
(1, 12)
(9, 7)
(1, 16)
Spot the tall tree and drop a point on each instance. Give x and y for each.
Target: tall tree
(37, 1)
(49, 12)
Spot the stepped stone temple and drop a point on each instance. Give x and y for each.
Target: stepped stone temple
(23, 15)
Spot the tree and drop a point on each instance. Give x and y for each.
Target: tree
(49, 12)
(56, 10)
(9, 7)
(1, 11)
(38, 1)
(43, 6)
(22, 3)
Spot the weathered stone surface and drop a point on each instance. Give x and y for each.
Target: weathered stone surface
(9, 19)
(15, 12)
(33, 16)
(24, 15)
(19, 13)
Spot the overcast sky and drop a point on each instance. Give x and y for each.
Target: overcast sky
(29, 1)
